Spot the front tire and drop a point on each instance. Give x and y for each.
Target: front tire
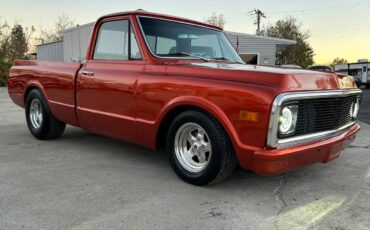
(40, 121)
(199, 149)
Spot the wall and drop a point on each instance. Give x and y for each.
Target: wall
(254, 45)
(50, 52)
(76, 42)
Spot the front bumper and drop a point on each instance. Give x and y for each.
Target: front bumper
(277, 161)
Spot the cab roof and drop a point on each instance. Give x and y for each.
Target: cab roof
(141, 12)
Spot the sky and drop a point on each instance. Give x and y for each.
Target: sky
(338, 28)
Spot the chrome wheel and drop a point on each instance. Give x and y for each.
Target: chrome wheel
(36, 115)
(192, 147)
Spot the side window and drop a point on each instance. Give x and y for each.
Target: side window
(113, 42)
(135, 51)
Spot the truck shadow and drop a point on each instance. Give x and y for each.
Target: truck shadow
(124, 152)
(306, 197)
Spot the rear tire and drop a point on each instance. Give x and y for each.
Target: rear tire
(199, 149)
(40, 121)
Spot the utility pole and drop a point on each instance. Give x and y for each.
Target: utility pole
(259, 14)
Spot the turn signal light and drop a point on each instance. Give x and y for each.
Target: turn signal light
(248, 116)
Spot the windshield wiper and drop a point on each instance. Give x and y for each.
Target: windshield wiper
(225, 59)
(188, 55)
(220, 58)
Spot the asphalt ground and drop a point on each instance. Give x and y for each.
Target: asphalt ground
(86, 181)
(364, 114)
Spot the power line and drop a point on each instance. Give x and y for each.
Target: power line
(307, 11)
(340, 34)
(339, 38)
(344, 29)
(327, 27)
(343, 25)
(314, 10)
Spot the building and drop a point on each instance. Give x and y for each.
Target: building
(253, 49)
(50, 51)
(256, 49)
(72, 48)
(360, 71)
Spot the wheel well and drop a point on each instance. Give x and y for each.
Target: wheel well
(167, 120)
(28, 90)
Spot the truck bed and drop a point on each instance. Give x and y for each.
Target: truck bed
(57, 81)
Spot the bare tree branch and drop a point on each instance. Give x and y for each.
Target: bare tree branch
(216, 20)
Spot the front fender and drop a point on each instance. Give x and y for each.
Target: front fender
(207, 106)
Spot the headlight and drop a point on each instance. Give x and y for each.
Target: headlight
(288, 119)
(355, 109)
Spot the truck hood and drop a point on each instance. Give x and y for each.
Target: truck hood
(279, 78)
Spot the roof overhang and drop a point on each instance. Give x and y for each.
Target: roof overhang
(278, 41)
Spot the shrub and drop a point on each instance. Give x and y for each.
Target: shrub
(4, 72)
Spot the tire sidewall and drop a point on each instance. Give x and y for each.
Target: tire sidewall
(42, 131)
(216, 139)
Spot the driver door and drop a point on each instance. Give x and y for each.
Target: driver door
(106, 89)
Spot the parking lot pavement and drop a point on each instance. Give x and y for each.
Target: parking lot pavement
(364, 115)
(85, 181)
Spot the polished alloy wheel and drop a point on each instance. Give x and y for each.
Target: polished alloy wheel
(192, 147)
(36, 113)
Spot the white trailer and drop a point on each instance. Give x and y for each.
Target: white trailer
(360, 71)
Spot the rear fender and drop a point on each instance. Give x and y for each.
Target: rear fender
(34, 84)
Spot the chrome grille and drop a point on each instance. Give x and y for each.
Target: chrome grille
(321, 115)
(324, 114)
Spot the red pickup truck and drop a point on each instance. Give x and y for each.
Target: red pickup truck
(173, 83)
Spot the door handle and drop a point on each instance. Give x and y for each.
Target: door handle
(87, 73)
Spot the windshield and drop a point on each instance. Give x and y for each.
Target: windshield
(175, 39)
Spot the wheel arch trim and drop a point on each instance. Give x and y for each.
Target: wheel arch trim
(33, 84)
(202, 104)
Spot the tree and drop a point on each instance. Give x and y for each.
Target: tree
(13, 45)
(4, 47)
(301, 53)
(4, 72)
(216, 20)
(18, 43)
(62, 23)
(30, 32)
(4, 40)
(338, 61)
